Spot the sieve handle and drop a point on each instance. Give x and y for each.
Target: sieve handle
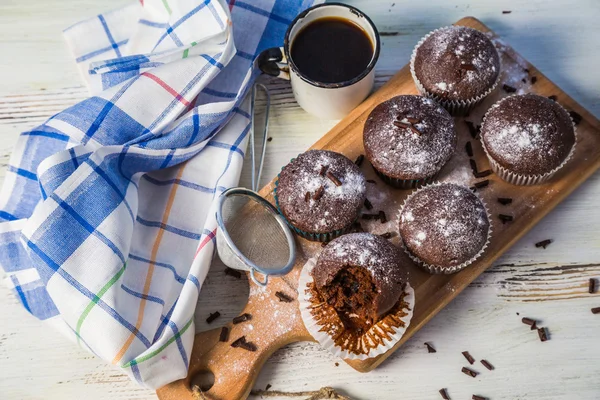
(255, 279)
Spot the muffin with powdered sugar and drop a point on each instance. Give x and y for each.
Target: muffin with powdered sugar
(320, 194)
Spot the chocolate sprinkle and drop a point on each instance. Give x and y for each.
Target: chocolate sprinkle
(542, 334)
(430, 348)
(533, 80)
(269, 139)
(487, 365)
(371, 181)
(319, 193)
(413, 120)
(505, 218)
(543, 243)
(444, 394)
(508, 88)
(323, 244)
(382, 217)
(233, 272)
(359, 160)
(388, 235)
(337, 364)
(483, 174)
(283, 297)
(469, 372)
(576, 117)
(530, 322)
(212, 317)
(596, 310)
(333, 178)
(269, 386)
(242, 318)
(307, 196)
(469, 357)
(475, 397)
(469, 149)
(224, 336)
(482, 184)
(524, 80)
(506, 12)
(403, 125)
(323, 170)
(237, 342)
(592, 285)
(248, 346)
(473, 164)
(472, 129)
(368, 204)
(504, 200)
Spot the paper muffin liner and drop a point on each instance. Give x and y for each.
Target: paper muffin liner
(438, 269)
(380, 338)
(312, 236)
(519, 179)
(454, 107)
(403, 183)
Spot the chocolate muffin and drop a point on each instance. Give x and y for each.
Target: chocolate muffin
(320, 194)
(444, 227)
(408, 139)
(527, 138)
(362, 277)
(456, 65)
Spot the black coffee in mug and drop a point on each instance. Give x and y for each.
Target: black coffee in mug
(331, 50)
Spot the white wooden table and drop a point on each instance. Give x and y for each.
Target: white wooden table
(559, 37)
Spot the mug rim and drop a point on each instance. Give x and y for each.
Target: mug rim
(349, 82)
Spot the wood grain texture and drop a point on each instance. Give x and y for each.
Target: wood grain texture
(559, 37)
(235, 370)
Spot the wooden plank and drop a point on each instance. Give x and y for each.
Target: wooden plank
(235, 370)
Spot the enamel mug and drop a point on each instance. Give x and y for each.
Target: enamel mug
(324, 100)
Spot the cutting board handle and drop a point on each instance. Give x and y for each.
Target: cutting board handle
(235, 369)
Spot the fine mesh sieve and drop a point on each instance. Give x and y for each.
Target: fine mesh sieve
(252, 236)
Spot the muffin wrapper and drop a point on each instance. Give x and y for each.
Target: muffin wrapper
(383, 335)
(438, 269)
(402, 183)
(526, 180)
(312, 236)
(454, 107)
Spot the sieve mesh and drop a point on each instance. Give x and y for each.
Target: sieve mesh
(255, 232)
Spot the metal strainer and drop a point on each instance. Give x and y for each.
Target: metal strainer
(251, 235)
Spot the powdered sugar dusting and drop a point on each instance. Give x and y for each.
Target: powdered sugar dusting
(400, 152)
(528, 134)
(338, 205)
(444, 224)
(457, 62)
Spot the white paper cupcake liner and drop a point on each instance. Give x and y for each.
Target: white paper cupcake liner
(438, 269)
(387, 335)
(519, 179)
(454, 107)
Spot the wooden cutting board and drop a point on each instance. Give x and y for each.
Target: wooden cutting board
(275, 324)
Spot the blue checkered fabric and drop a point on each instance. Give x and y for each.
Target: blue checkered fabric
(107, 221)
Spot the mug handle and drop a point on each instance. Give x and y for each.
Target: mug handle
(273, 62)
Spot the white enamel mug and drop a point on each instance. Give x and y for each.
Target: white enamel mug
(324, 100)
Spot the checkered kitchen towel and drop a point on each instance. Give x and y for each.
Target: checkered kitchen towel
(107, 222)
